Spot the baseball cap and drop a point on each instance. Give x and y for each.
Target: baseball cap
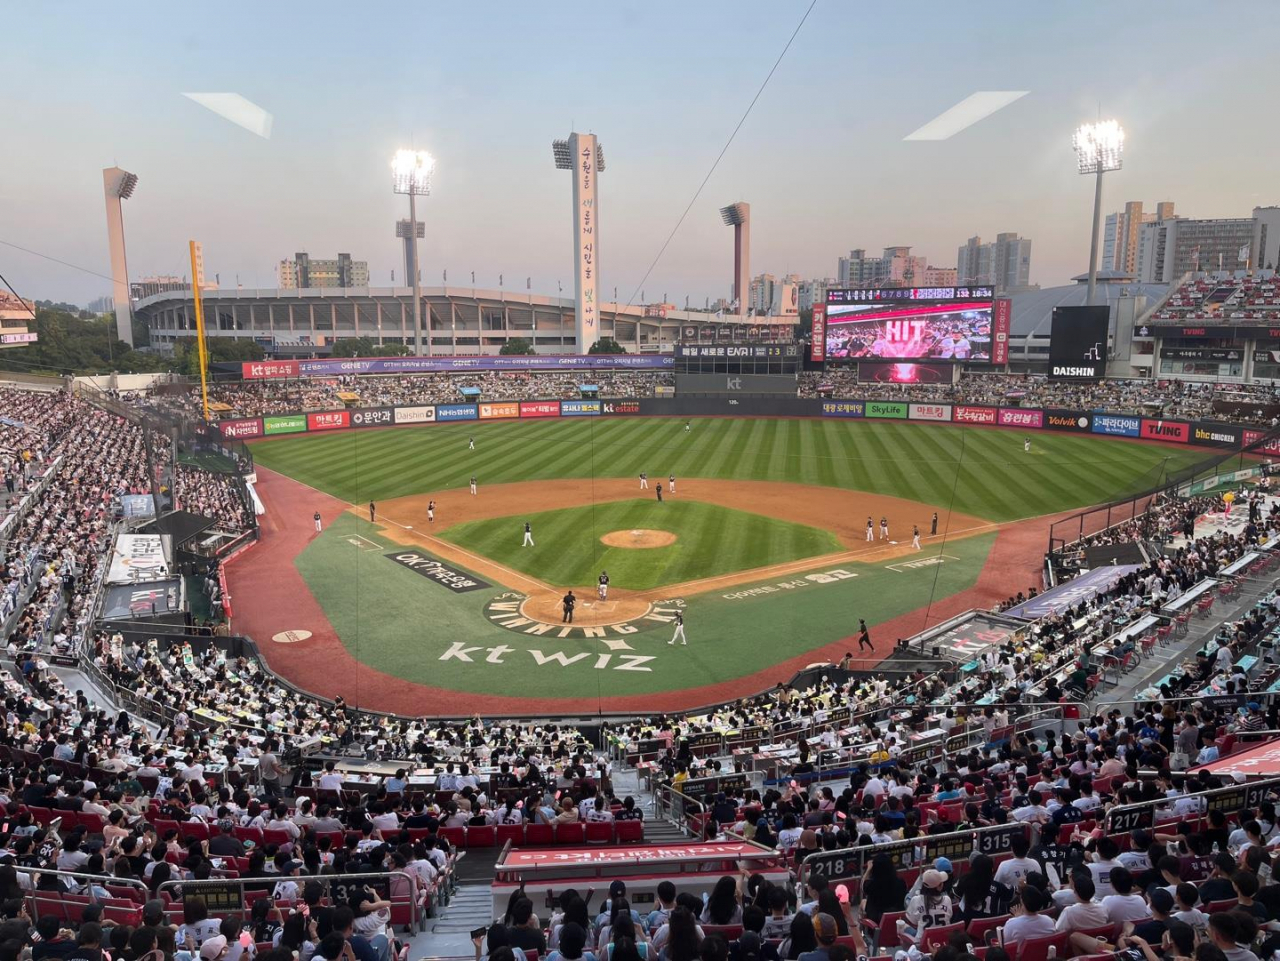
(933, 879)
(1254, 706)
(824, 926)
(291, 866)
(213, 948)
(153, 911)
(943, 864)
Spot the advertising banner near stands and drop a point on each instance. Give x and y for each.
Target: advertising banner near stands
(1001, 324)
(1082, 588)
(843, 408)
(239, 429)
(818, 330)
(540, 408)
(1076, 420)
(1215, 435)
(259, 369)
(1253, 436)
(138, 505)
(138, 559)
(372, 417)
(416, 415)
(456, 412)
(128, 601)
(329, 420)
(579, 408)
(1173, 430)
(1116, 425)
(340, 366)
(886, 408)
(620, 407)
(284, 424)
(500, 411)
(1020, 417)
(929, 412)
(975, 415)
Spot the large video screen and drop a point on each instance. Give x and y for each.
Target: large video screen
(910, 323)
(1078, 343)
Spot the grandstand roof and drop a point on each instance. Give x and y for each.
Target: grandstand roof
(1033, 310)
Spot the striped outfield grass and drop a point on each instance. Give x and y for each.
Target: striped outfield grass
(976, 471)
(710, 540)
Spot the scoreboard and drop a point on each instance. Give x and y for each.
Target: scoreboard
(738, 351)
(748, 359)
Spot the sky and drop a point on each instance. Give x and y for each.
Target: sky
(486, 87)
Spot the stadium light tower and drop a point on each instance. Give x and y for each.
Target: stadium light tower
(411, 174)
(738, 216)
(584, 156)
(118, 185)
(1098, 147)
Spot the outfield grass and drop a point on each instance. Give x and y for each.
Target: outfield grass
(711, 540)
(976, 471)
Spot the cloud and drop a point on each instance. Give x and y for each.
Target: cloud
(233, 107)
(975, 107)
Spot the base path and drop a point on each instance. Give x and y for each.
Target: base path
(269, 595)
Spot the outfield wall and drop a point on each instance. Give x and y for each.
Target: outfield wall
(1211, 434)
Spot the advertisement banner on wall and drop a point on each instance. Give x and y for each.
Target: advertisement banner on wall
(372, 417)
(1172, 430)
(259, 369)
(1077, 420)
(1020, 417)
(284, 424)
(1253, 436)
(1078, 343)
(579, 408)
(456, 412)
(843, 408)
(342, 366)
(1116, 425)
(929, 412)
(1001, 324)
(239, 429)
(886, 408)
(329, 420)
(540, 408)
(620, 407)
(1211, 434)
(416, 415)
(499, 411)
(818, 332)
(975, 415)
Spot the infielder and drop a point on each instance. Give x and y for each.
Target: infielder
(317, 519)
(528, 535)
(915, 536)
(644, 481)
(431, 512)
(679, 634)
(659, 492)
(871, 530)
(884, 528)
(933, 525)
(602, 587)
(671, 484)
(372, 509)
(473, 485)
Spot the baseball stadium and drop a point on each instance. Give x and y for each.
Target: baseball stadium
(900, 612)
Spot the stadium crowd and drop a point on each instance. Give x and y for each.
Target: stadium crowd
(212, 494)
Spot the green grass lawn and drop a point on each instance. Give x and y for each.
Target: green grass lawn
(976, 471)
(711, 540)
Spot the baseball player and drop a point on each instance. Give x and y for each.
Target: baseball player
(659, 491)
(644, 481)
(528, 535)
(602, 587)
(933, 525)
(864, 636)
(915, 536)
(687, 427)
(884, 528)
(317, 519)
(679, 634)
(372, 510)
(871, 530)
(431, 512)
(567, 602)
(473, 485)
(471, 443)
(1026, 445)
(671, 484)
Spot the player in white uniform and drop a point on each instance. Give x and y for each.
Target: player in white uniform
(871, 530)
(671, 484)
(884, 528)
(471, 443)
(528, 535)
(644, 481)
(1026, 445)
(602, 587)
(679, 634)
(915, 536)
(473, 484)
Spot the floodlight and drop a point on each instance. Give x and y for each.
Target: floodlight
(411, 172)
(1098, 146)
(560, 150)
(734, 214)
(405, 229)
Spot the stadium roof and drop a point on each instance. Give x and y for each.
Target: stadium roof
(1033, 310)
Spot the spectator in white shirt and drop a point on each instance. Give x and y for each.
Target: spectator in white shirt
(1103, 866)
(1028, 923)
(1087, 913)
(1124, 904)
(1017, 867)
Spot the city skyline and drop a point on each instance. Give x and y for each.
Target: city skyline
(320, 181)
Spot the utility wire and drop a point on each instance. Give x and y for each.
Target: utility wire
(720, 156)
(36, 253)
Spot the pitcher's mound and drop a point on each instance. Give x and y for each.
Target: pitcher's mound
(638, 539)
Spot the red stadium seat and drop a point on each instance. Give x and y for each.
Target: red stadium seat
(481, 836)
(571, 832)
(455, 836)
(933, 938)
(510, 832)
(978, 927)
(600, 832)
(1037, 949)
(629, 832)
(539, 835)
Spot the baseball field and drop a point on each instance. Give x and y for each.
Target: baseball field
(763, 550)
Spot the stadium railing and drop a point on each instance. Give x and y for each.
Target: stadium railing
(122, 906)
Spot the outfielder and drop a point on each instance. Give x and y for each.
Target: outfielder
(644, 481)
(871, 530)
(528, 535)
(1026, 445)
(471, 443)
(602, 588)
(679, 634)
(473, 485)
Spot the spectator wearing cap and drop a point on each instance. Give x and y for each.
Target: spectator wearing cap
(617, 893)
(825, 930)
(225, 844)
(286, 889)
(214, 949)
(931, 908)
(1253, 720)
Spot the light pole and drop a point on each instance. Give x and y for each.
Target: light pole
(1098, 149)
(411, 174)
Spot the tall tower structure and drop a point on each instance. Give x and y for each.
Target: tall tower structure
(582, 155)
(404, 230)
(117, 185)
(738, 216)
